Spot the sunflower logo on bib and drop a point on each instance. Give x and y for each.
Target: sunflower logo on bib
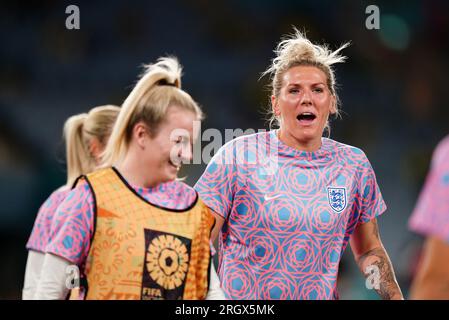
(167, 261)
(166, 265)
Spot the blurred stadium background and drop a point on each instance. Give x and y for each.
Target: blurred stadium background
(393, 90)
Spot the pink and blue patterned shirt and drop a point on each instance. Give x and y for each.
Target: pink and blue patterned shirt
(431, 214)
(288, 214)
(40, 235)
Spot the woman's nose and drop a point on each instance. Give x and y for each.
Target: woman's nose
(306, 98)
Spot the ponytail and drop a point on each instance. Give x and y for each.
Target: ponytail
(76, 149)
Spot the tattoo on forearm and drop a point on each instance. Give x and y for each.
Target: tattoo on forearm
(388, 287)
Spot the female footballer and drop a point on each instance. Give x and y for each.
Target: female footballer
(85, 137)
(133, 230)
(288, 201)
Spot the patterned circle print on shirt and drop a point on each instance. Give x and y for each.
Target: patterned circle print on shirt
(323, 220)
(264, 249)
(239, 280)
(283, 214)
(301, 252)
(167, 261)
(316, 287)
(275, 285)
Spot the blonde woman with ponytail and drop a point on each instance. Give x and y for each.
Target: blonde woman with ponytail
(131, 228)
(286, 222)
(85, 136)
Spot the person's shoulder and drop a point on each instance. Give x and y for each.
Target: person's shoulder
(79, 193)
(246, 138)
(61, 192)
(350, 156)
(81, 186)
(240, 144)
(441, 153)
(346, 151)
(444, 143)
(57, 196)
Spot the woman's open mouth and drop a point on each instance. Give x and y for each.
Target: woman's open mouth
(306, 118)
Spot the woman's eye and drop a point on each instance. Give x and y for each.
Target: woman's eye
(318, 90)
(293, 91)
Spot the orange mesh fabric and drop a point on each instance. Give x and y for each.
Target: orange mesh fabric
(141, 251)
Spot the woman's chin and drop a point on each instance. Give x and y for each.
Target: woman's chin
(308, 136)
(171, 173)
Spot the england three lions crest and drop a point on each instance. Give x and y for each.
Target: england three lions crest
(337, 198)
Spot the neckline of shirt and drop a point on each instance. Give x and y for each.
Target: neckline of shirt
(158, 188)
(283, 148)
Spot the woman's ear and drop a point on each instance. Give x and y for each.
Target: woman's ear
(95, 148)
(333, 105)
(140, 134)
(274, 106)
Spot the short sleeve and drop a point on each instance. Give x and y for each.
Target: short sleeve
(372, 203)
(72, 228)
(431, 214)
(41, 230)
(217, 184)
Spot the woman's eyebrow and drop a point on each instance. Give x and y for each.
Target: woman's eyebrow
(296, 84)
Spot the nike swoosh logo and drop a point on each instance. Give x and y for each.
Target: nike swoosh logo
(268, 198)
